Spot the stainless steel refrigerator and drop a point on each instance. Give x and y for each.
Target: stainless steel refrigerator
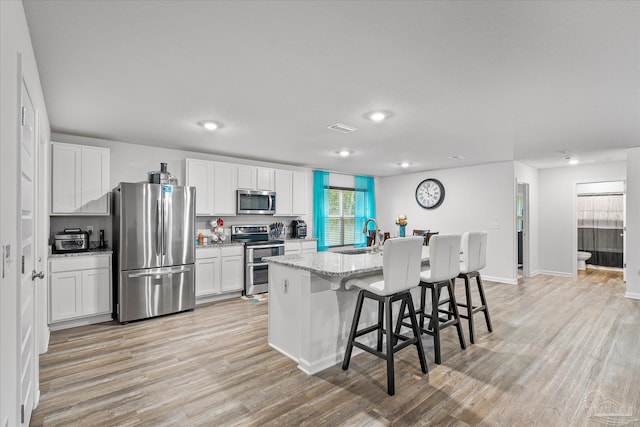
(153, 240)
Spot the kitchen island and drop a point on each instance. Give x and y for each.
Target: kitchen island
(310, 311)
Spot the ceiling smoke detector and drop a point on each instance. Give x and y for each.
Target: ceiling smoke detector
(342, 128)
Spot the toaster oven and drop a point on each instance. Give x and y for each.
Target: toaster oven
(71, 240)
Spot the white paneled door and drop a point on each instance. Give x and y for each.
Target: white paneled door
(28, 357)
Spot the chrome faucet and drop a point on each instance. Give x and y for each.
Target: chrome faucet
(376, 243)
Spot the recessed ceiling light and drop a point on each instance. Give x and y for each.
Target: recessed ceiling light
(378, 116)
(345, 153)
(457, 157)
(210, 125)
(405, 164)
(574, 161)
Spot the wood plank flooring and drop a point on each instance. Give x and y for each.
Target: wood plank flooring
(564, 352)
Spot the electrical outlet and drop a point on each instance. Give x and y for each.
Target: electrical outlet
(90, 229)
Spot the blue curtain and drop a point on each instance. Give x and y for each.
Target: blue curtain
(365, 207)
(321, 209)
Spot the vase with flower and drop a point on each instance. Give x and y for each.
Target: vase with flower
(401, 222)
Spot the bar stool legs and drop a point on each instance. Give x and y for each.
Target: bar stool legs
(392, 344)
(436, 323)
(468, 305)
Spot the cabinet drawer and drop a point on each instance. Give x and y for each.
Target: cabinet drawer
(202, 253)
(80, 263)
(309, 245)
(232, 250)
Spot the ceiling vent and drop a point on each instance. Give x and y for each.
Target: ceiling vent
(342, 128)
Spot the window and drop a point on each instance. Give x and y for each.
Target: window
(342, 209)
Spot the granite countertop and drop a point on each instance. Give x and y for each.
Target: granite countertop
(217, 245)
(336, 264)
(96, 251)
(295, 239)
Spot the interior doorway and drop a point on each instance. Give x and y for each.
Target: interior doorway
(522, 230)
(601, 225)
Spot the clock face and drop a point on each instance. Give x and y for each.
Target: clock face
(430, 193)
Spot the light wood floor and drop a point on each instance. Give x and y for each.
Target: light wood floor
(563, 352)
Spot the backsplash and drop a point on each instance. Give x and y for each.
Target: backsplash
(59, 223)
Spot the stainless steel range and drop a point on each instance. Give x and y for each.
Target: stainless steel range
(257, 246)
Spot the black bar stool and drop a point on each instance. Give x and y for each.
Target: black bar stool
(473, 259)
(444, 266)
(401, 272)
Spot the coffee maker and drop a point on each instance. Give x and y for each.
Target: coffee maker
(298, 229)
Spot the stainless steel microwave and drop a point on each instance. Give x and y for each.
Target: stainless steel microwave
(253, 202)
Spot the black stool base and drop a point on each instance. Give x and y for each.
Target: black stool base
(392, 345)
(470, 309)
(437, 323)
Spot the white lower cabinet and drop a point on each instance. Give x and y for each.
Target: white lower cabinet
(79, 290)
(219, 270)
(300, 247)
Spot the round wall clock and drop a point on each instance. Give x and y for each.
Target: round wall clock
(430, 193)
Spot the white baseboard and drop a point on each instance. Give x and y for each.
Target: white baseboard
(632, 295)
(556, 273)
(80, 322)
(220, 297)
(500, 280)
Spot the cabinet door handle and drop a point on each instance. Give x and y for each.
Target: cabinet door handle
(35, 275)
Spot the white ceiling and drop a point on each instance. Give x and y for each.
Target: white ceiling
(487, 80)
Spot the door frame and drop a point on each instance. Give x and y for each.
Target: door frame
(624, 223)
(526, 252)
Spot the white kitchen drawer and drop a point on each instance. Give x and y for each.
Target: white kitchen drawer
(203, 253)
(232, 250)
(75, 263)
(309, 245)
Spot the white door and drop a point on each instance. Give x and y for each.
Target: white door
(28, 358)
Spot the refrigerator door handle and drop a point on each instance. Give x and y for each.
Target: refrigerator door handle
(162, 272)
(158, 229)
(165, 215)
(167, 273)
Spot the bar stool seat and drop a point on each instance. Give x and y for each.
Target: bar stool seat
(444, 260)
(474, 258)
(400, 272)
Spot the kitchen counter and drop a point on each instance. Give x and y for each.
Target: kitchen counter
(337, 264)
(310, 311)
(105, 251)
(217, 245)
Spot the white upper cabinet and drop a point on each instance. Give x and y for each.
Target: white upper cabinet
(200, 175)
(254, 178)
(266, 179)
(225, 183)
(247, 177)
(300, 193)
(79, 179)
(215, 184)
(284, 192)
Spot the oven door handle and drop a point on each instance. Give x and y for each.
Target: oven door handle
(256, 264)
(265, 247)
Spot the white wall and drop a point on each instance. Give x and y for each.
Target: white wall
(558, 243)
(529, 175)
(633, 224)
(16, 53)
(475, 197)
